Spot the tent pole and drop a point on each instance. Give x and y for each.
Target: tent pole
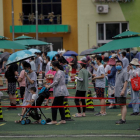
(13, 32)
(36, 20)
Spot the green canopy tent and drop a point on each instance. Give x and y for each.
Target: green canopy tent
(29, 41)
(6, 44)
(124, 40)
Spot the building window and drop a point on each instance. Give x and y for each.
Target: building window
(49, 11)
(105, 31)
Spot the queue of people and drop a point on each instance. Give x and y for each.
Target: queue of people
(115, 70)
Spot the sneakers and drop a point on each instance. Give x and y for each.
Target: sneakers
(135, 114)
(100, 114)
(121, 122)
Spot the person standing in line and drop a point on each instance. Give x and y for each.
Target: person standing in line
(111, 82)
(41, 61)
(125, 61)
(100, 85)
(134, 71)
(37, 64)
(120, 90)
(48, 64)
(22, 81)
(73, 63)
(32, 63)
(44, 54)
(11, 76)
(59, 92)
(82, 87)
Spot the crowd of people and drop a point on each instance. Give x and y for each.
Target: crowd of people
(115, 72)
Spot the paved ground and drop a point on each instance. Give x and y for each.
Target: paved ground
(100, 128)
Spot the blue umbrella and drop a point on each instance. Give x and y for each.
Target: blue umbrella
(70, 53)
(19, 56)
(34, 50)
(137, 56)
(52, 54)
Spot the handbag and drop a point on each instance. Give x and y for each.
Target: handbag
(135, 82)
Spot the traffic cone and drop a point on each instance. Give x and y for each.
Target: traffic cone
(67, 111)
(89, 102)
(17, 98)
(1, 116)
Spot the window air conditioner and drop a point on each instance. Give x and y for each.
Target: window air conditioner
(102, 9)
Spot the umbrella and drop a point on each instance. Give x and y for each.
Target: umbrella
(123, 41)
(29, 41)
(19, 56)
(52, 54)
(34, 50)
(4, 56)
(137, 56)
(70, 53)
(6, 44)
(87, 52)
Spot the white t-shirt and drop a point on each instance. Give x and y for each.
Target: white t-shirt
(47, 67)
(107, 68)
(41, 60)
(34, 97)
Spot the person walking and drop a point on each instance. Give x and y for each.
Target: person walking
(82, 87)
(100, 85)
(59, 92)
(32, 63)
(120, 90)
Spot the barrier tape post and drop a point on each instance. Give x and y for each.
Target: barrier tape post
(1, 116)
(67, 111)
(17, 99)
(89, 102)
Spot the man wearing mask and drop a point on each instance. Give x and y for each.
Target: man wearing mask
(125, 61)
(120, 90)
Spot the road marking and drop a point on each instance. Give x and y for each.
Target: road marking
(2, 124)
(64, 136)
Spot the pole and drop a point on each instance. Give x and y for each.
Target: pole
(13, 32)
(130, 54)
(36, 19)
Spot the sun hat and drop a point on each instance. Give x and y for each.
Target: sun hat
(135, 61)
(114, 56)
(112, 62)
(81, 62)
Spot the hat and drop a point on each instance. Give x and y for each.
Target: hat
(106, 59)
(81, 62)
(93, 55)
(112, 62)
(84, 58)
(113, 51)
(114, 55)
(135, 62)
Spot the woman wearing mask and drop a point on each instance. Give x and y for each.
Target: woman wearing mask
(82, 87)
(73, 63)
(111, 82)
(59, 92)
(134, 71)
(21, 80)
(31, 81)
(49, 80)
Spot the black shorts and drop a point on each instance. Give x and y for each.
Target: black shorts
(99, 92)
(120, 100)
(12, 88)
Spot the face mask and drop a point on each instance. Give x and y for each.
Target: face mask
(44, 61)
(50, 67)
(134, 67)
(118, 67)
(119, 52)
(99, 54)
(55, 58)
(21, 67)
(27, 71)
(95, 62)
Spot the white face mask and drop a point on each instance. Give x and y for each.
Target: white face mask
(45, 61)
